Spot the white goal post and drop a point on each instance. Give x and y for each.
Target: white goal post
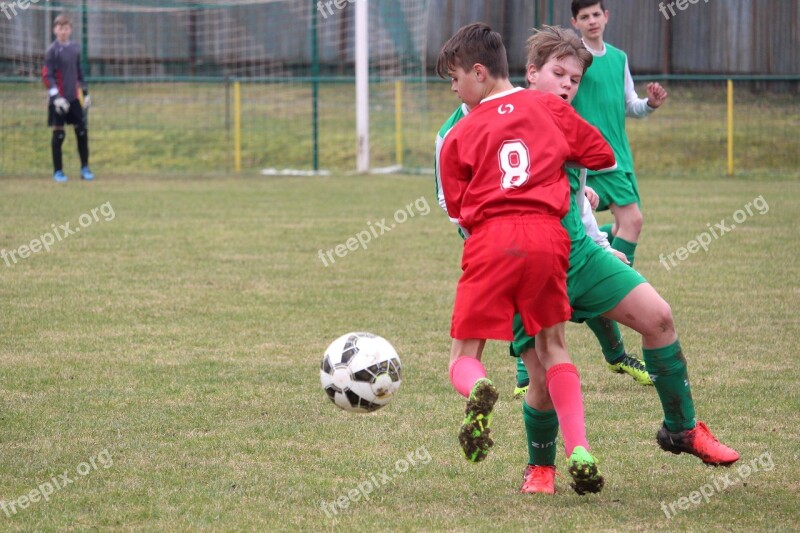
(362, 86)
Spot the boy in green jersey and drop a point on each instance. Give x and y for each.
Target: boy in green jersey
(598, 284)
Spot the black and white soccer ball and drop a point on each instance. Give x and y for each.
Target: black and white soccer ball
(360, 372)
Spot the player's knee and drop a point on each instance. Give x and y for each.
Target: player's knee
(549, 340)
(81, 131)
(537, 392)
(632, 220)
(660, 319)
(58, 137)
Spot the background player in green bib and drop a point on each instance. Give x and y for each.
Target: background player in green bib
(606, 96)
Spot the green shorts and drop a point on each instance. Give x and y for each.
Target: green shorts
(616, 187)
(597, 283)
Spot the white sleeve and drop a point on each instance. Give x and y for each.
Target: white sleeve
(592, 230)
(634, 106)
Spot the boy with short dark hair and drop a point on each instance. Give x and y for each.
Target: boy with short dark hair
(63, 78)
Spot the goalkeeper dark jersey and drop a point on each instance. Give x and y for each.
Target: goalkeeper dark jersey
(62, 69)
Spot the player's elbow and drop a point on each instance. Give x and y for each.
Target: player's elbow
(608, 162)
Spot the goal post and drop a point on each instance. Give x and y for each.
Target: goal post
(362, 85)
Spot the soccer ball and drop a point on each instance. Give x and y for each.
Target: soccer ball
(360, 372)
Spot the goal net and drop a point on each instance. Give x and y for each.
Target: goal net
(216, 86)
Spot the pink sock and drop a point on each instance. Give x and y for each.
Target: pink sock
(465, 371)
(564, 386)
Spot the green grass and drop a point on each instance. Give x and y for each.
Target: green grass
(184, 336)
(183, 128)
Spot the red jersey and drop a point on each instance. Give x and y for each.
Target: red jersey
(506, 157)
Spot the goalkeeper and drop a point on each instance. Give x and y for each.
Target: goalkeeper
(65, 84)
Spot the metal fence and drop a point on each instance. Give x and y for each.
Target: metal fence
(161, 74)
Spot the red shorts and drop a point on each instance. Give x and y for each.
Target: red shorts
(510, 265)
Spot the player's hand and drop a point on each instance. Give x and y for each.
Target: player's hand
(61, 105)
(622, 257)
(87, 102)
(656, 95)
(594, 199)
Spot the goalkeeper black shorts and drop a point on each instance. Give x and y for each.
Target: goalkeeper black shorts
(73, 116)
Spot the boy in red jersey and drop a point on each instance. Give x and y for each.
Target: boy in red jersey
(501, 170)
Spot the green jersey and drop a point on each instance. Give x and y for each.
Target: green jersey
(601, 101)
(457, 115)
(573, 223)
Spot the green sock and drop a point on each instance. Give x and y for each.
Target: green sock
(667, 367)
(626, 247)
(609, 337)
(541, 428)
(607, 229)
(522, 373)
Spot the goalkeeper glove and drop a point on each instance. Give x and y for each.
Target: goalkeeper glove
(60, 104)
(87, 101)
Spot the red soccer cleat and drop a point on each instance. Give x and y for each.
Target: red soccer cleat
(539, 479)
(697, 441)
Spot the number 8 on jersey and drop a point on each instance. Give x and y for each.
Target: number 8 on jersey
(515, 162)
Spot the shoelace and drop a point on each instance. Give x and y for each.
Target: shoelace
(708, 441)
(537, 475)
(630, 361)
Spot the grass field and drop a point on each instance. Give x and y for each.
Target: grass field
(165, 360)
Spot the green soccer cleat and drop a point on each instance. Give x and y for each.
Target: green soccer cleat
(520, 389)
(583, 469)
(634, 367)
(474, 432)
